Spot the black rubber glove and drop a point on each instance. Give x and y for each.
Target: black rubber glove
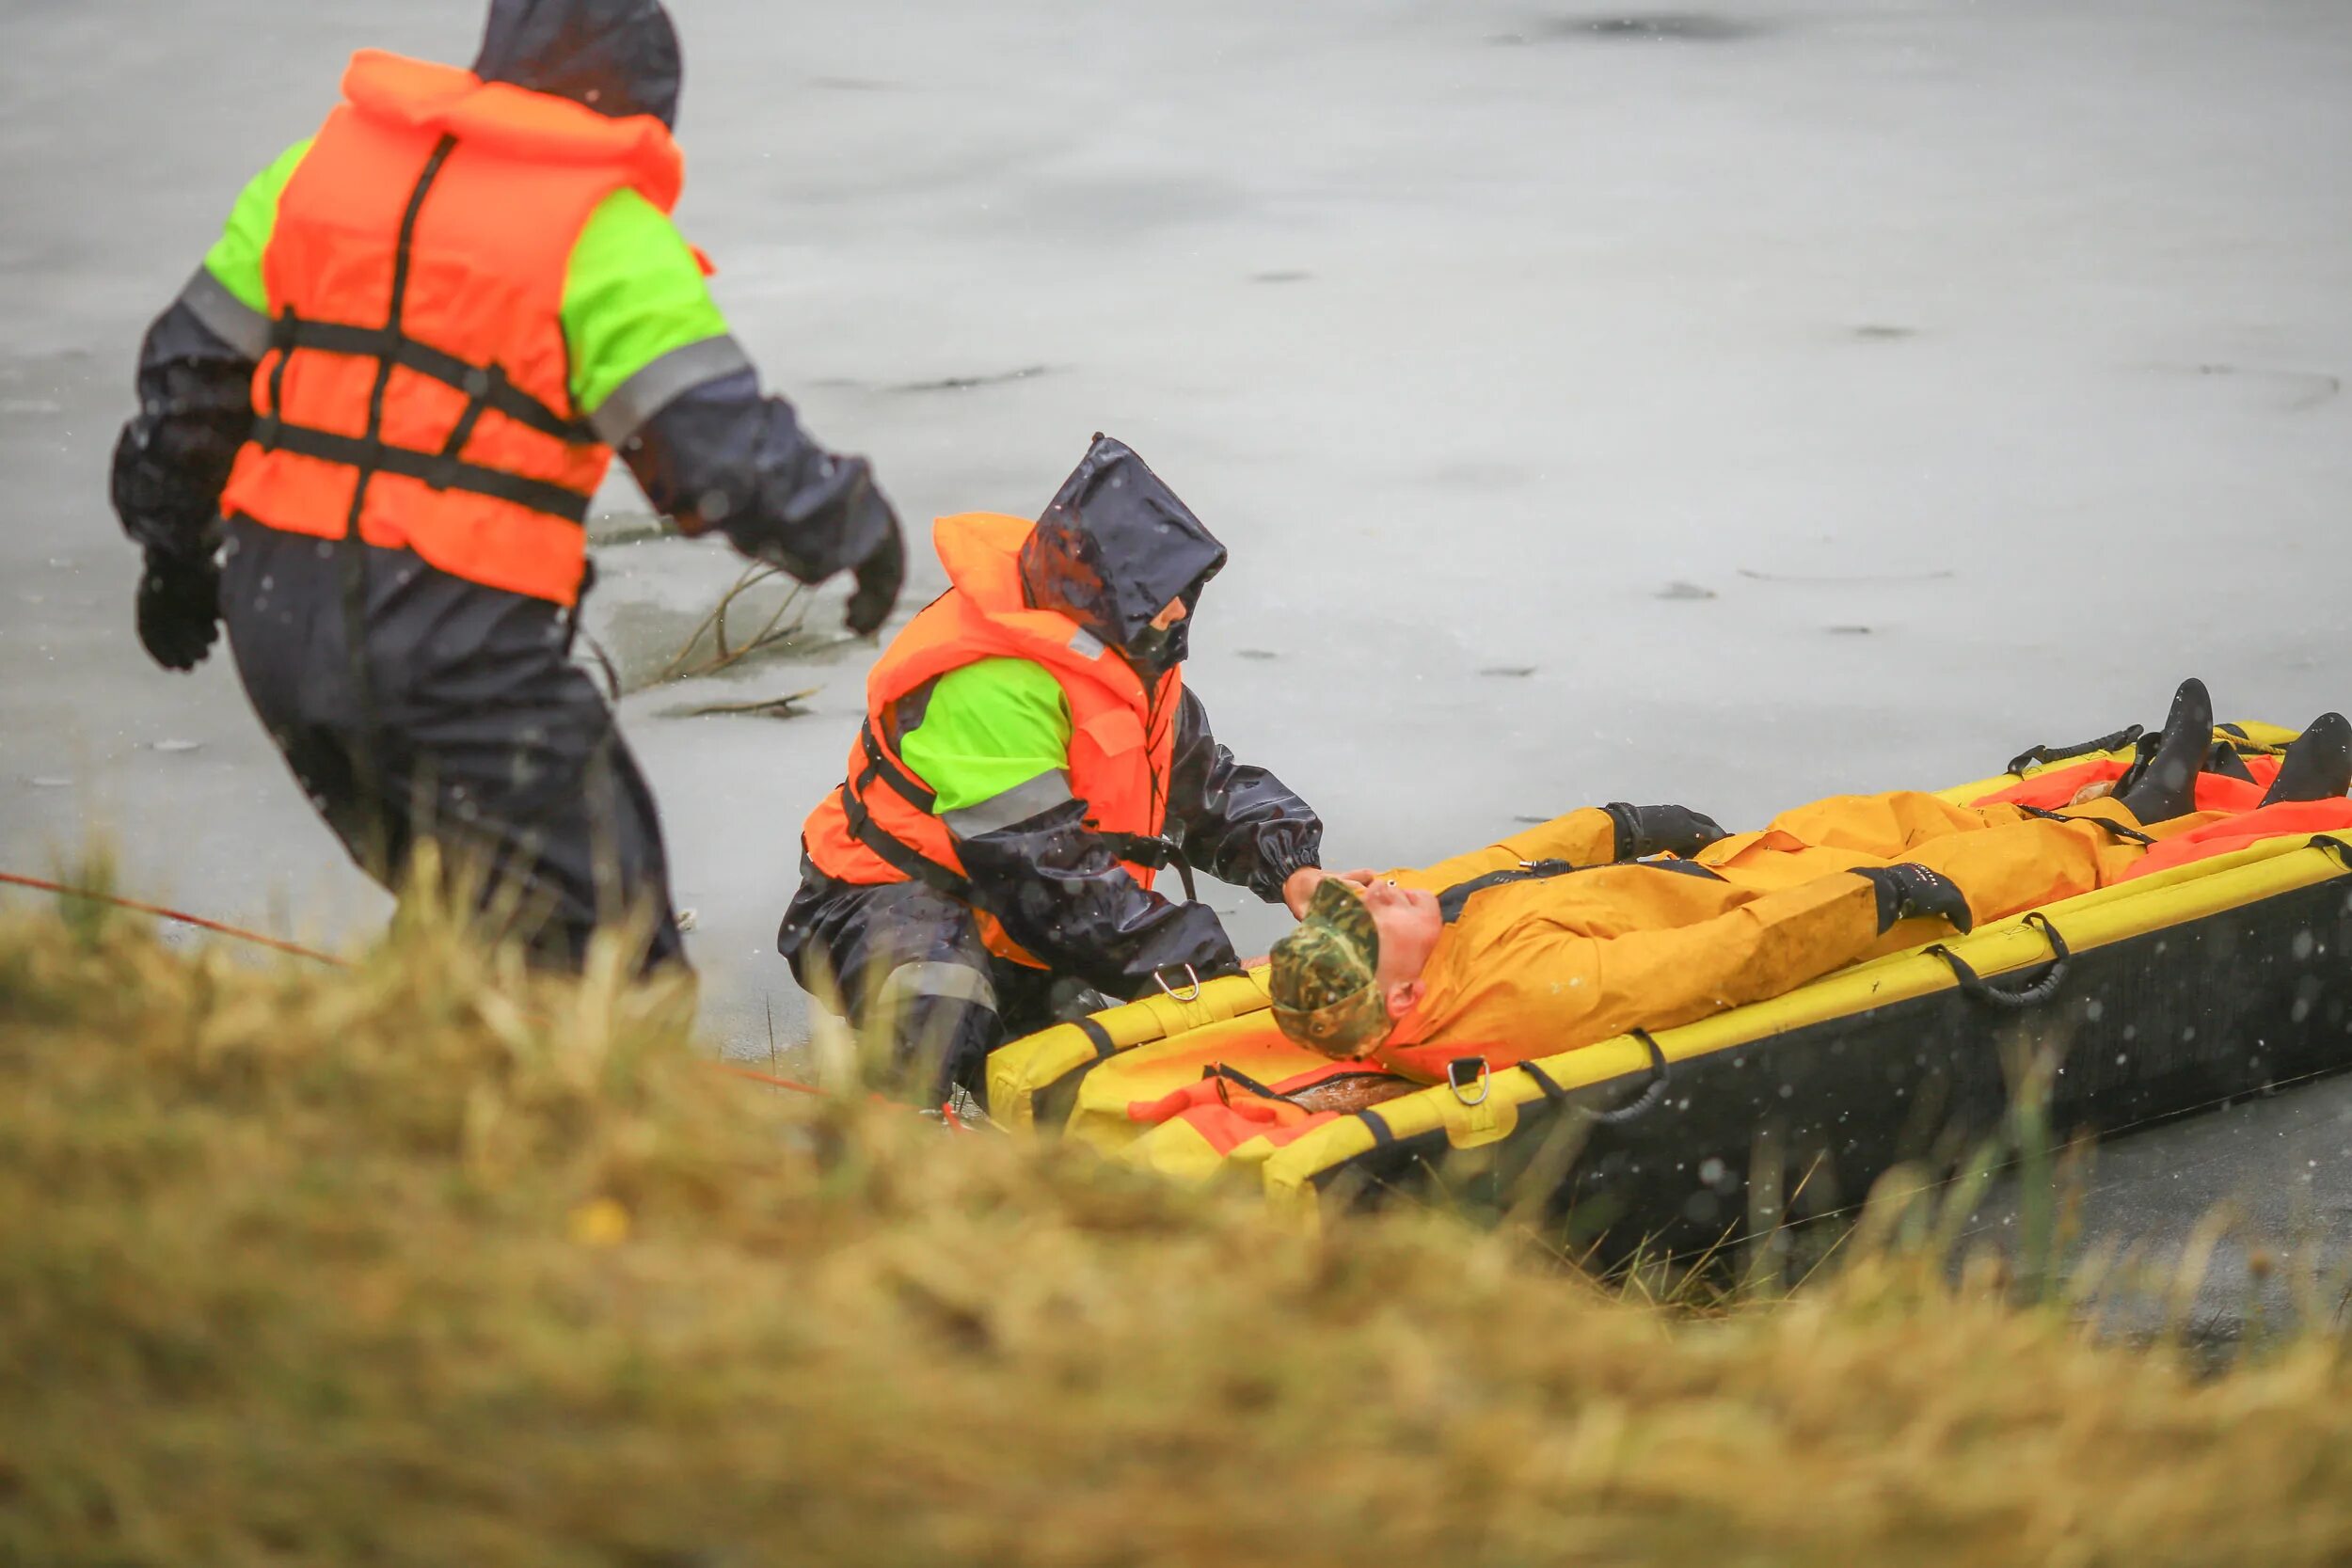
(880, 576)
(179, 609)
(1645, 831)
(1909, 890)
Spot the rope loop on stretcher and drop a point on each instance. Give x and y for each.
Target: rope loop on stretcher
(2031, 992)
(2042, 755)
(1653, 1093)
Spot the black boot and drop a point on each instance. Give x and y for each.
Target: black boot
(2319, 766)
(2166, 781)
(2223, 759)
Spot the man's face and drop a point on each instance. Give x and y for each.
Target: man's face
(1150, 651)
(1409, 924)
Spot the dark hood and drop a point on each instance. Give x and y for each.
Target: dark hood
(620, 57)
(1113, 548)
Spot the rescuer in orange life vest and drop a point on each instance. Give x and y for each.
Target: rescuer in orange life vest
(387, 398)
(1030, 758)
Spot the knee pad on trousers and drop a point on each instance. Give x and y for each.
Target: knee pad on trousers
(943, 1020)
(939, 1042)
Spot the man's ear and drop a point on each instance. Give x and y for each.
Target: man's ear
(1404, 997)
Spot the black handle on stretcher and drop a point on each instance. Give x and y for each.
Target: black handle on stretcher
(2032, 991)
(2122, 737)
(1652, 1095)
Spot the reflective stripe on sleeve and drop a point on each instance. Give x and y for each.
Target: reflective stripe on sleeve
(934, 977)
(662, 382)
(226, 316)
(1017, 804)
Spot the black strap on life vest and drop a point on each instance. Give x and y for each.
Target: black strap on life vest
(487, 388)
(368, 759)
(895, 853)
(1137, 848)
(902, 783)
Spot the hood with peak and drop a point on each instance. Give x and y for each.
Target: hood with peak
(1113, 547)
(620, 57)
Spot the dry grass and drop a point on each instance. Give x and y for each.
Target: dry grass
(431, 1264)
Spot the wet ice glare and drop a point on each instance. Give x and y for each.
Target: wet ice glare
(1724, 407)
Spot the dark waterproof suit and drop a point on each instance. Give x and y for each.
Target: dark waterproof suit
(933, 948)
(460, 713)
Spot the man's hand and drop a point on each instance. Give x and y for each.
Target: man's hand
(880, 576)
(1299, 888)
(1908, 892)
(1645, 831)
(179, 610)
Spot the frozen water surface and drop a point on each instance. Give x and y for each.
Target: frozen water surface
(1734, 406)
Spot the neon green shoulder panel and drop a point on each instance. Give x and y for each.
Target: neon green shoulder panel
(990, 726)
(235, 258)
(633, 294)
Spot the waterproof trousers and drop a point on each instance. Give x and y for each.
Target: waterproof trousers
(906, 967)
(462, 720)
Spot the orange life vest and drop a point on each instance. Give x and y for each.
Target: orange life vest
(880, 826)
(416, 388)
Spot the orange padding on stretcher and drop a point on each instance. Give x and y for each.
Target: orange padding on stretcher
(2238, 833)
(2248, 823)
(2055, 789)
(1225, 1115)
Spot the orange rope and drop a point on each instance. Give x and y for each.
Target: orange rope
(768, 1078)
(255, 937)
(38, 885)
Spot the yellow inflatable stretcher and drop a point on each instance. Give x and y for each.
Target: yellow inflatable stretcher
(2215, 977)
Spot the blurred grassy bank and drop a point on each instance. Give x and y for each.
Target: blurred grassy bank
(425, 1264)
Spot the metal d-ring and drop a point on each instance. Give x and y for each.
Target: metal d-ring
(1479, 1073)
(1174, 994)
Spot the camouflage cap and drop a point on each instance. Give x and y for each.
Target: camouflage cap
(1323, 979)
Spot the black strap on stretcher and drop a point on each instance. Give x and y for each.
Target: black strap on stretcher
(2118, 829)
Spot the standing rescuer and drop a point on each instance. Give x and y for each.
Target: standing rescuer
(1030, 758)
(371, 425)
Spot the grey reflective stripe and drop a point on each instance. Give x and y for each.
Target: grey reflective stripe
(1086, 644)
(933, 977)
(662, 382)
(1018, 804)
(226, 316)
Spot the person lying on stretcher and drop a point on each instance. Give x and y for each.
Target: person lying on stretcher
(1502, 954)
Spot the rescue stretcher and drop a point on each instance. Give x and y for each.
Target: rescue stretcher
(2225, 973)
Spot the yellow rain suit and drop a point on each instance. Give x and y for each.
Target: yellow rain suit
(1547, 963)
